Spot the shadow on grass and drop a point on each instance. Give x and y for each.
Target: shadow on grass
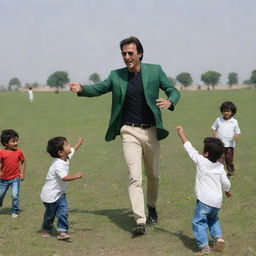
(120, 217)
(187, 241)
(5, 211)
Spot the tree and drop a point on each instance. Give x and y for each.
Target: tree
(14, 83)
(210, 78)
(232, 78)
(95, 78)
(253, 78)
(33, 85)
(58, 79)
(247, 82)
(184, 78)
(172, 80)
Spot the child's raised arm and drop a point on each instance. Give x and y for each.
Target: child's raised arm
(181, 133)
(78, 143)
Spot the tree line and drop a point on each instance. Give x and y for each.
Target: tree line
(210, 78)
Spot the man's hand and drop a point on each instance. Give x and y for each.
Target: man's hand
(75, 87)
(163, 104)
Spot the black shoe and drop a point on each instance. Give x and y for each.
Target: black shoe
(139, 230)
(152, 215)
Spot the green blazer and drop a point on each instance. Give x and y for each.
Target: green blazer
(153, 79)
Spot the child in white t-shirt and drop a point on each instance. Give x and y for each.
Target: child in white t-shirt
(53, 193)
(227, 129)
(211, 178)
(30, 95)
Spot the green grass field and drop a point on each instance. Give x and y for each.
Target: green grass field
(100, 214)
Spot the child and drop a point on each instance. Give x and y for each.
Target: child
(30, 95)
(53, 193)
(210, 179)
(227, 129)
(12, 168)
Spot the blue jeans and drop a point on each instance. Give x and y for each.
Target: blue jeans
(58, 209)
(205, 217)
(15, 190)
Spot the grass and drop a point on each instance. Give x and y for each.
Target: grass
(100, 214)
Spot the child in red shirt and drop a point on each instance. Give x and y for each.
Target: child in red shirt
(12, 168)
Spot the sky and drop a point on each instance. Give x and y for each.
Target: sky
(39, 37)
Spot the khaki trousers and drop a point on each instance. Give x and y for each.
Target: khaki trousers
(141, 144)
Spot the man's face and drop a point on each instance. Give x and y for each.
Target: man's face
(131, 57)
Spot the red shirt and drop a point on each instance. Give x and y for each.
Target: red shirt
(10, 163)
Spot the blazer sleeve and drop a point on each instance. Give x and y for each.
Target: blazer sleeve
(96, 89)
(171, 92)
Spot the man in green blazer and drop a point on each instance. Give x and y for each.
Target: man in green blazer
(136, 117)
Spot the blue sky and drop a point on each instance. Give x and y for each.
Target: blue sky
(39, 37)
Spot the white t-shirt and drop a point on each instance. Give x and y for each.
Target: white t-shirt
(211, 178)
(226, 129)
(30, 95)
(54, 186)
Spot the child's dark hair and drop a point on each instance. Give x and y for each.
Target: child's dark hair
(7, 135)
(214, 147)
(55, 145)
(228, 105)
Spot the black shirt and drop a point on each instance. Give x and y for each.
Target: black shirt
(136, 109)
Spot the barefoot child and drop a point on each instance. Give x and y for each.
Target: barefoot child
(53, 193)
(12, 168)
(211, 178)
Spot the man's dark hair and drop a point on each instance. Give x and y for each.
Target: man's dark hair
(228, 105)
(136, 41)
(214, 147)
(7, 135)
(55, 145)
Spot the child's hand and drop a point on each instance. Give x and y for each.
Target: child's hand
(1, 173)
(22, 177)
(79, 175)
(80, 140)
(228, 193)
(181, 133)
(179, 129)
(73, 177)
